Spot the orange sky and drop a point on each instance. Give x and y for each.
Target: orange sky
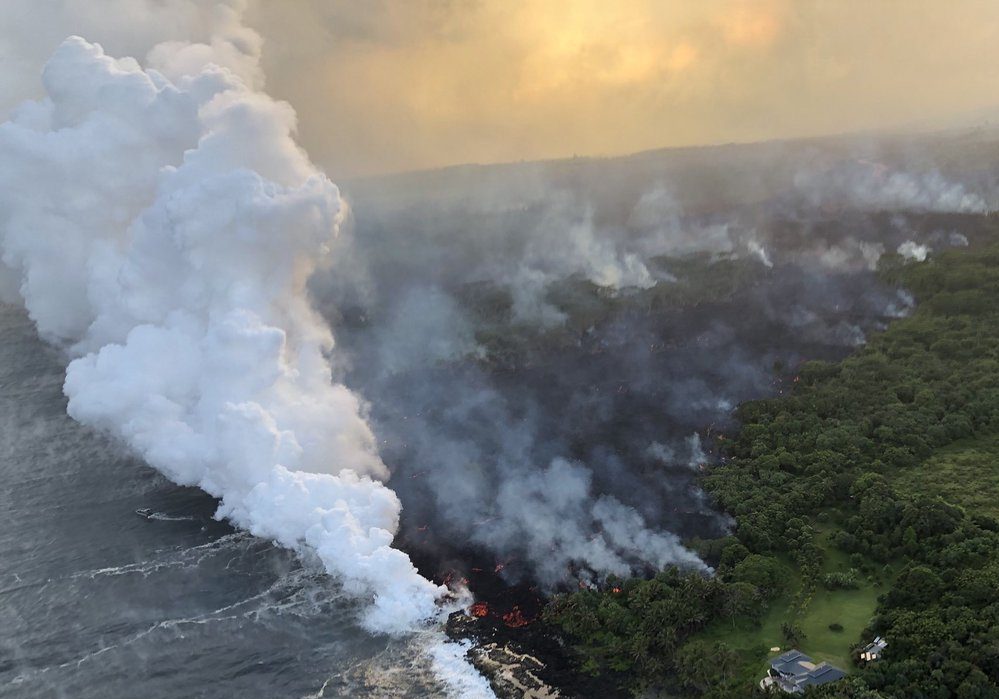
(388, 85)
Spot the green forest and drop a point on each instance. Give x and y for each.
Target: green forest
(865, 502)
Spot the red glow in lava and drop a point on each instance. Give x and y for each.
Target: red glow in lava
(515, 619)
(479, 609)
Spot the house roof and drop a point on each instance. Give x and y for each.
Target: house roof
(822, 674)
(792, 663)
(804, 671)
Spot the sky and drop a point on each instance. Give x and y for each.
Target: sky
(392, 85)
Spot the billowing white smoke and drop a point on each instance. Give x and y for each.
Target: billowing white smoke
(162, 224)
(911, 250)
(553, 515)
(849, 254)
(568, 242)
(871, 185)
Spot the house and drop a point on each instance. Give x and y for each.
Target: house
(793, 672)
(873, 650)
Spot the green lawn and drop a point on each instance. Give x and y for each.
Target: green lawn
(751, 641)
(965, 473)
(852, 609)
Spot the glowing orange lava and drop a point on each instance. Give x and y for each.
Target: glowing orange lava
(515, 618)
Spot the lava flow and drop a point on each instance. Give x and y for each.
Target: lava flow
(498, 600)
(503, 597)
(515, 618)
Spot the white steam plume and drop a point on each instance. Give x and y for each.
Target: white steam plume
(162, 224)
(911, 250)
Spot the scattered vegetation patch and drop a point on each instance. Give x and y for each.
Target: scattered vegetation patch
(965, 473)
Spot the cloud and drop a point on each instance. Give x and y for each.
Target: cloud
(452, 81)
(488, 81)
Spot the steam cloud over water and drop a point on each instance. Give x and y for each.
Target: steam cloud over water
(161, 224)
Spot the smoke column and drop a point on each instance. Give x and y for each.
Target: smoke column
(161, 225)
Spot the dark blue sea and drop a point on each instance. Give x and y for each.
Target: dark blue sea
(98, 601)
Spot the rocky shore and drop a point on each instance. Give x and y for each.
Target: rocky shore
(526, 662)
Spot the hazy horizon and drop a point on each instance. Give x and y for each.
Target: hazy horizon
(385, 87)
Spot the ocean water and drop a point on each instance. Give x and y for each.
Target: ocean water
(98, 601)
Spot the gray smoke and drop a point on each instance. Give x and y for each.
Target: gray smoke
(558, 344)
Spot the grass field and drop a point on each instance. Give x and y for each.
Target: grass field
(965, 473)
(813, 614)
(850, 608)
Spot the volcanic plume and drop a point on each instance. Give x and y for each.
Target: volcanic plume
(160, 224)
